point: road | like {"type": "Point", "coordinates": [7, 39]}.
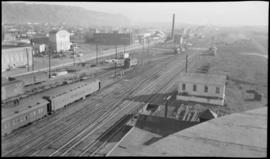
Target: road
{"type": "Point", "coordinates": [88, 57]}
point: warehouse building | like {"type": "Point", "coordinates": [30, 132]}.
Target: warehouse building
{"type": "Point", "coordinates": [39, 44]}
{"type": "Point", "coordinates": [59, 40]}
{"type": "Point", "coordinates": [16, 57]}
{"type": "Point", "coordinates": [202, 88]}
{"type": "Point", "coordinates": [114, 38]}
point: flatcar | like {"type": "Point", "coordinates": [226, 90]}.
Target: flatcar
{"type": "Point", "coordinates": [33, 78]}
{"type": "Point", "coordinates": [11, 89]}
{"type": "Point", "coordinates": [62, 97]}
{"type": "Point", "coordinates": [27, 112]}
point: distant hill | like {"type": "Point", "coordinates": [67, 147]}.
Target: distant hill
{"type": "Point", "coordinates": [56, 14]}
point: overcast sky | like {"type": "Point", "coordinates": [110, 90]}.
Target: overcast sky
{"type": "Point", "coordinates": [215, 13]}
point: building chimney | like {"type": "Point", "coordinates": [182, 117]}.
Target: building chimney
{"type": "Point", "coordinates": [172, 36]}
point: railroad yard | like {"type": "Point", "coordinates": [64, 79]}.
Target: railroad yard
{"type": "Point", "coordinates": [119, 91]}
{"type": "Point", "coordinates": [86, 103]}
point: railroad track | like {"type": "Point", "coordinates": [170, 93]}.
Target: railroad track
{"type": "Point", "coordinates": [75, 144]}
{"type": "Point", "coordinates": [94, 148]}
{"type": "Point", "coordinates": [118, 101]}
{"type": "Point", "coordinates": [106, 118]}
{"type": "Point", "coordinates": [47, 130]}
{"type": "Point", "coordinates": [58, 82]}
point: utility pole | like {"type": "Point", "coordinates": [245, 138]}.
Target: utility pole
{"type": "Point", "coordinates": [49, 51]}
{"type": "Point", "coordinates": [73, 49]}
{"type": "Point", "coordinates": [96, 54]}
{"type": "Point", "coordinates": [172, 32]}
{"type": "Point", "coordinates": [27, 56]}
{"type": "Point", "coordinates": [32, 56]}
{"type": "Point", "coordinates": [115, 60]}
{"type": "Point", "coordinates": [166, 105]}
{"type": "Point", "coordinates": [186, 62]}
{"type": "Point", "coordinates": [143, 45]}
{"type": "Point", "coordinates": [148, 45]}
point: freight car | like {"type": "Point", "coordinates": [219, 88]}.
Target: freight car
{"type": "Point", "coordinates": [34, 78]}
{"type": "Point", "coordinates": [11, 89]}
{"type": "Point", "coordinates": [31, 109]}
{"type": "Point", "coordinates": [63, 96]}
{"type": "Point", "coordinates": [27, 112]}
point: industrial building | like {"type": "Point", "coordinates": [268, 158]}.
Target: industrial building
{"type": "Point", "coordinates": [202, 88]}
{"type": "Point", "coordinates": [241, 134]}
{"type": "Point", "coordinates": [113, 38]}
{"type": "Point", "coordinates": [39, 44]}
{"type": "Point", "coordinates": [16, 57]}
{"type": "Point", "coordinates": [9, 36]}
{"type": "Point", "coordinates": [59, 40]}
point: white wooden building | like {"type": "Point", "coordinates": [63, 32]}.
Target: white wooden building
{"type": "Point", "coordinates": [59, 40]}
{"type": "Point", "coordinates": [203, 88]}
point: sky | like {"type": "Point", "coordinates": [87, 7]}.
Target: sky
{"type": "Point", "coordinates": [202, 13]}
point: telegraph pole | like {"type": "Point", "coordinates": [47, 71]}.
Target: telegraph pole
{"type": "Point", "coordinates": [143, 45]}
{"type": "Point", "coordinates": [73, 49]}
{"type": "Point", "coordinates": [166, 105]}
{"type": "Point", "coordinates": [27, 56]}
{"type": "Point", "coordinates": [32, 56]}
{"type": "Point", "coordinates": [148, 45]}
{"type": "Point", "coordinates": [186, 62]}
{"type": "Point", "coordinates": [115, 60]}
{"type": "Point", "coordinates": [49, 51]}
{"type": "Point", "coordinates": [96, 54]}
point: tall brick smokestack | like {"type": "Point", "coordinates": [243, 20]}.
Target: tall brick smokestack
{"type": "Point", "coordinates": [172, 36]}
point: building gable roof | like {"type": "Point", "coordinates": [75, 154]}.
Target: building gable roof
{"type": "Point", "coordinates": [202, 78]}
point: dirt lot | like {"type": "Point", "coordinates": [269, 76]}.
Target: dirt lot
{"type": "Point", "coordinates": [238, 57]}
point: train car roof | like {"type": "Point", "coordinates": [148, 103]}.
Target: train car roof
{"type": "Point", "coordinates": [63, 89]}
{"type": "Point", "coordinates": [8, 82]}
{"type": "Point", "coordinates": [30, 74]}
{"type": "Point", "coordinates": [25, 105]}
{"type": "Point", "coordinates": [32, 100]}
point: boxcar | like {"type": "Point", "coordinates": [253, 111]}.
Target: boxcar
{"type": "Point", "coordinates": [11, 88]}
{"type": "Point", "coordinates": [69, 94]}
{"type": "Point", "coordinates": [33, 78]}
{"type": "Point", "coordinates": [23, 114]}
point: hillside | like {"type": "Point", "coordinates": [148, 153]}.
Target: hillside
{"type": "Point", "coordinates": [56, 14]}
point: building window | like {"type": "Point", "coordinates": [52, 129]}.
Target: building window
{"type": "Point", "coordinates": [217, 90]}
{"type": "Point", "coordinates": [205, 89]}
{"type": "Point", "coordinates": [183, 87]}
{"type": "Point", "coordinates": [40, 110]}
{"type": "Point", "coordinates": [194, 87]}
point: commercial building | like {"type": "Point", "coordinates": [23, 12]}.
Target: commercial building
{"type": "Point", "coordinates": [202, 88]}
{"type": "Point", "coordinates": [16, 57]}
{"type": "Point", "coordinates": [59, 40]}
